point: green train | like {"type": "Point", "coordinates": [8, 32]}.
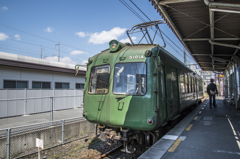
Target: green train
{"type": "Point", "coordinates": [132, 91]}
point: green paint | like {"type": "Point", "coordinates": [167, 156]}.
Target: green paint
{"type": "Point", "coordinates": [132, 111]}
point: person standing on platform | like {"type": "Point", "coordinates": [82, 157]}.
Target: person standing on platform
{"type": "Point", "coordinates": [212, 91]}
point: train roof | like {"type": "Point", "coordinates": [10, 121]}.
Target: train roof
{"type": "Point", "coordinates": [143, 47]}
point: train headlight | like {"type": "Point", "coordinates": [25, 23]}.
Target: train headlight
{"type": "Point", "coordinates": [90, 60]}
{"type": "Point", "coordinates": [114, 45]}
{"type": "Point", "coordinates": [148, 53]}
{"type": "Point", "coordinates": [150, 121]}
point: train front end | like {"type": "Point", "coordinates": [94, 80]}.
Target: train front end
{"type": "Point", "coordinates": [119, 91]}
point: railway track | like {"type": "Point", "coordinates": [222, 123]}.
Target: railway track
{"type": "Point", "coordinates": [110, 152]}
{"type": "Point", "coordinates": [117, 152]}
{"type": "Point", "coordinates": [92, 147]}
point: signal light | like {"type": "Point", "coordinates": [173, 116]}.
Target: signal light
{"type": "Point", "coordinates": [84, 114]}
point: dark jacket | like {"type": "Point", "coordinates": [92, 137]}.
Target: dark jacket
{"type": "Point", "coordinates": [212, 87]}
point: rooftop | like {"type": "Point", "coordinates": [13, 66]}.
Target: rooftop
{"type": "Point", "coordinates": [14, 60]}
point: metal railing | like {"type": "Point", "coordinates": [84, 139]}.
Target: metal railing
{"type": "Point", "coordinates": [20, 141]}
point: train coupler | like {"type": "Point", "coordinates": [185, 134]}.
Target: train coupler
{"type": "Point", "coordinates": [107, 134]}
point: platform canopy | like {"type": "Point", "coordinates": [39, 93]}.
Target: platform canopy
{"type": "Point", "coordinates": [209, 30]}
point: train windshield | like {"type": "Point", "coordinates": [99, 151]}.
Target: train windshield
{"type": "Point", "coordinates": [130, 78]}
{"type": "Point", "coordinates": [99, 79]}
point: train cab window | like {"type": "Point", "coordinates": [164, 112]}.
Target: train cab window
{"type": "Point", "coordinates": [99, 79]}
{"type": "Point", "coordinates": [130, 78]}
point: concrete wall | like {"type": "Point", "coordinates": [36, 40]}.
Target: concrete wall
{"type": "Point", "coordinates": [22, 74]}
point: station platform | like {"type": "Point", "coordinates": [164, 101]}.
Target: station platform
{"type": "Point", "coordinates": [203, 134]}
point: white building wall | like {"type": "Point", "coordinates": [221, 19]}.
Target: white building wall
{"type": "Point", "coordinates": [14, 102]}
{"type": "Point", "coordinates": [30, 75]}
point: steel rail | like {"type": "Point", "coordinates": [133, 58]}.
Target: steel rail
{"type": "Point", "coordinates": [107, 153]}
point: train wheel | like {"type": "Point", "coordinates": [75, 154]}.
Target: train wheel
{"type": "Point", "coordinates": [148, 141]}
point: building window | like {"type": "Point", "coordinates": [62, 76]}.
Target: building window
{"type": "Point", "coordinates": [41, 85]}
{"type": "Point", "coordinates": [15, 84]}
{"type": "Point", "coordinates": [59, 85]}
{"type": "Point", "coordinates": [79, 85]}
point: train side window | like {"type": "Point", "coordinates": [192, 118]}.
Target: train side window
{"type": "Point", "coordinates": [186, 83]}
{"type": "Point", "coordinates": [174, 81]}
{"type": "Point", "coordinates": [197, 84]}
{"type": "Point", "coordinates": [200, 86]}
{"type": "Point", "coordinates": [193, 84]}
{"type": "Point", "coordinates": [182, 83]}
{"type": "Point", "coordinates": [163, 81]}
{"type": "Point", "coordinates": [190, 84]}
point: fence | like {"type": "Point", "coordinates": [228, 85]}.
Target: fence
{"type": "Point", "coordinates": [27, 106]}
{"type": "Point", "coordinates": [25, 102]}
{"type": "Point", "coordinates": [19, 141]}
{"type": "Point", "coordinates": [16, 112]}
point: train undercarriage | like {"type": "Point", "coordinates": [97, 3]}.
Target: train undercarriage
{"type": "Point", "coordinates": [132, 138]}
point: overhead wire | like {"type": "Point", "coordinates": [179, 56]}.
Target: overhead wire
{"type": "Point", "coordinates": [17, 47]}
{"type": "Point", "coordinates": [35, 45]}
{"type": "Point", "coordinates": [131, 9]}
{"type": "Point", "coordinates": [38, 36]}
{"type": "Point", "coordinates": [159, 29]}
{"type": "Point", "coordinates": [48, 51]}
{"type": "Point", "coordinates": [42, 37]}
{"type": "Point", "coordinates": [155, 30]}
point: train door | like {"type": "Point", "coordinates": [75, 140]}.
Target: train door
{"type": "Point", "coordinates": [163, 95]}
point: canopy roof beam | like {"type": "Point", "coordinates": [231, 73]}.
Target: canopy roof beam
{"type": "Point", "coordinates": [215, 39]}
{"type": "Point", "coordinates": [210, 55]}
{"type": "Point", "coordinates": [223, 44]}
{"type": "Point", "coordinates": [222, 5]}
{"type": "Point", "coordinates": [174, 28]}
{"type": "Point", "coordinates": [164, 2]}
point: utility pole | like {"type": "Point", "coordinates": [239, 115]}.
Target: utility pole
{"type": "Point", "coordinates": [41, 51]}
{"type": "Point", "coordinates": [185, 58]}
{"type": "Point", "coordinates": [58, 51]}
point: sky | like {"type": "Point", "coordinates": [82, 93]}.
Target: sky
{"type": "Point", "coordinates": [82, 28]}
